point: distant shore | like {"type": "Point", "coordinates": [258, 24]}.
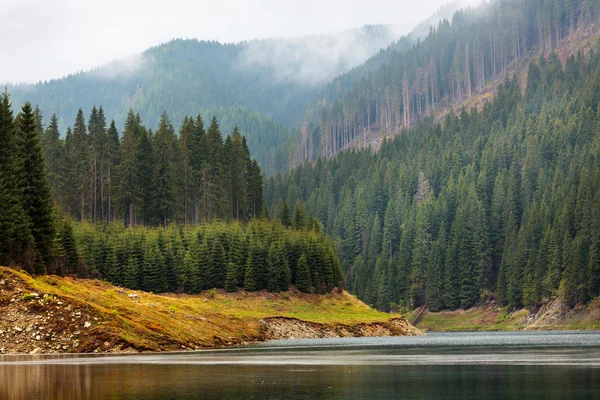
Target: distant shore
{"type": "Point", "coordinates": [552, 315]}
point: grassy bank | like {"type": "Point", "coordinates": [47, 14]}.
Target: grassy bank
{"type": "Point", "coordinates": [145, 321]}
{"type": "Point", "coordinates": [554, 315]}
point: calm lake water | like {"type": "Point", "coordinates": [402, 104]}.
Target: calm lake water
{"type": "Point", "coordinates": [523, 365]}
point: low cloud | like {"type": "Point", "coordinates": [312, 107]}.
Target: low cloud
{"type": "Point", "coordinates": [317, 59]}
{"type": "Point", "coordinates": [125, 67]}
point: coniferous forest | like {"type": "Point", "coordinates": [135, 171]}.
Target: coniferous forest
{"type": "Point", "coordinates": [459, 58]}
{"type": "Point", "coordinates": [483, 184]}
{"type": "Point", "coordinates": [147, 204]}
{"type": "Point", "coordinates": [502, 201]}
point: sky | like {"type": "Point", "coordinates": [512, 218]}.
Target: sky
{"type": "Point", "coordinates": [47, 39]}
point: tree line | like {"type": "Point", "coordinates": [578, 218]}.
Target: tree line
{"type": "Point", "coordinates": [261, 255]}
{"type": "Point", "coordinates": [499, 203]}
{"type": "Point", "coordinates": [150, 178]}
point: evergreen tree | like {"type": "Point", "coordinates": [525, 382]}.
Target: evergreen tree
{"type": "Point", "coordinates": [164, 173]}
{"type": "Point", "coordinates": [284, 215]}
{"type": "Point", "coordinates": [303, 282]}
{"type": "Point", "coordinates": [36, 196]}
{"type": "Point", "coordinates": [298, 222]}
{"type": "Point", "coordinates": [15, 235]}
{"type": "Point", "coordinates": [231, 279]}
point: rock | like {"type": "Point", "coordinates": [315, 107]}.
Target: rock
{"type": "Point", "coordinates": [87, 324]}
{"type": "Point", "coordinates": [37, 350]}
{"type": "Point", "coordinates": [18, 329]}
{"type": "Point", "coordinates": [37, 337]}
{"type": "Point", "coordinates": [133, 296]}
{"type": "Point", "coordinates": [106, 344]}
{"type": "Point", "coordinates": [59, 303]}
{"type": "Point", "coordinates": [36, 295]}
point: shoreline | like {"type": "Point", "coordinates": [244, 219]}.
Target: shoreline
{"type": "Point", "coordinates": [553, 315]}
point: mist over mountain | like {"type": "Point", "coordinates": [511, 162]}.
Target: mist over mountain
{"type": "Point", "coordinates": [262, 86]}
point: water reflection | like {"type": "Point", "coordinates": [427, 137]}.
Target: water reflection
{"type": "Point", "coordinates": [258, 382]}
{"type": "Point", "coordinates": [355, 370]}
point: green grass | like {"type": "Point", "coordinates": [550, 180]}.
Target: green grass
{"type": "Point", "coordinates": [500, 319]}
{"type": "Point", "coordinates": [475, 319]}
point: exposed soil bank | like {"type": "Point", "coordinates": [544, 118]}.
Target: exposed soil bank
{"type": "Point", "coordinates": [49, 315]}
{"type": "Point", "coordinates": [278, 328]}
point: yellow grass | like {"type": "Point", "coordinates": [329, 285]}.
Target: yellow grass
{"type": "Point", "coordinates": [168, 321]}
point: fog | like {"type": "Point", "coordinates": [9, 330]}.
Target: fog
{"type": "Point", "coordinates": [47, 39]}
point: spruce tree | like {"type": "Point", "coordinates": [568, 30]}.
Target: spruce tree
{"type": "Point", "coordinates": [36, 195]}
{"type": "Point", "coordinates": [15, 235]}
{"type": "Point", "coordinates": [284, 215]}
{"type": "Point", "coordinates": [127, 175]}
{"type": "Point", "coordinates": [275, 269]}
{"type": "Point", "coordinates": [303, 281]}
{"type": "Point", "coordinates": [164, 171]}
{"type": "Point", "coordinates": [298, 222]}
{"type": "Point", "coordinates": [231, 279]}
{"type": "Point", "coordinates": [251, 283]}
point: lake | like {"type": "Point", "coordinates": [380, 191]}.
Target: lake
{"type": "Point", "coordinates": [519, 365]}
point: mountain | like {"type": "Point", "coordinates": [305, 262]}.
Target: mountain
{"type": "Point", "coordinates": [263, 86]}
{"type": "Point", "coordinates": [497, 202]}
{"type": "Point", "coordinates": [460, 63]}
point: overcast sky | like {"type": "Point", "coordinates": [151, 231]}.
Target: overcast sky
{"type": "Point", "coordinates": [45, 39]}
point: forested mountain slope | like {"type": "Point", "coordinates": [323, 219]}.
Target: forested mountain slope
{"type": "Point", "coordinates": [459, 64]}
{"type": "Point", "coordinates": [501, 202]}
{"type": "Point", "coordinates": [259, 86]}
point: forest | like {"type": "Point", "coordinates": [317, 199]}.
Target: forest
{"type": "Point", "coordinates": [152, 208]}
{"type": "Point", "coordinates": [149, 178]}
{"type": "Point", "coordinates": [260, 255]}
{"type": "Point", "coordinates": [498, 203]}
{"type": "Point", "coordinates": [456, 61]}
